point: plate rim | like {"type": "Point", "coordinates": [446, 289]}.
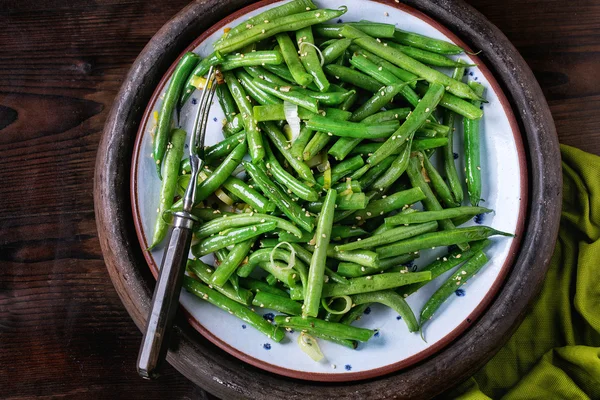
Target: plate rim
{"type": "Point", "coordinates": [213, 369]}
{"type": "Point", "coordinates": [430, 351]}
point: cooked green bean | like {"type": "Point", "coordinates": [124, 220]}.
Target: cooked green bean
{"type": "Point", "coordinates": [352, 129]}
{"type": "Point", "coordinates": [262, 73]}
{"type": "Point", "coordinates": [327, 328]}
{"type": "Point", "coordinates": [424, 56]}
{"type": "Point", "coordinates": [234, 126]}
{"type": "Point", "coordinates": [201, 69]}
{"type": "Point", "coordinates": [295, 186]}
{"type": "Point", "coordinates": [374, 29]}
{"type": "Point", "coordinates": [436, 239]}
{"type": "Point", "coordinates": [222, 223]}
{"type": "Point", "coordinates": [426, 43]}
{"type": "Point", "coordinates": [331, 98]}
{"type": "Point", "coordinates": [264, 30]}
{"type": "Point", "coordinates": [390, 203]}
{"type": "Point", "coordinates": [165, 115]}
{"type": "Point", "coordinates": [317, 264]}
{"type": "Point", "coordinates": [221, 149]}
{"type": "Point", "coordinates": [395, 114]}
{"type": "Point", "coordinates": [363, 257]}
{"type": "Point", "coordinates": [250, 196]}
{"type": "Point", "coordinates": [342, 169]}
{"type": "Point", "coordinates": [226, 102]}
{"type": "Point", "coordinates": [393, 173]}
{"type": "Point", "coordinates": [335, 50]}
{"type": "Point", "coordinates": [472, 151]}
{"type": "Point", "coordinates": [231, 236]}
{"type": "Point", "coordinates": [375, 103]}
{"type": "Point", "coordinates": [353, 77]}
{"type": "Point", "coordinates": [413, 121]}
{"type": "Point", "coordinates": [375, 172]}
{"type": "Point", "coordinates": [277, 303]}
{"type": "Point", "coordinates": [300, 142]}
{"type": "Point", "coordinates": [233, 61]}
{"type": "Point", "coordinates": [353, 201]}
{"type": "Point", "coordinates": [439, 185]}
{"type": "Point", "coordinates": [257, 94]}
{"type": "Point", "coordinates": [426, 216]}
{"type": "Point", "coordinates": [320, 139]}
{"type": "Point", "coordinates": [245, 314]}
{"type": "Point", "coordinates": [257, 286]}
{"type": "Point", "coordinates": [455, 103]}
{"type": "Point", "coordinates": [280, 198]}
{"type": "Point", "coordinates": [458, 278]}
{"type": "Point", "coordinates": [404, 75]}
{"type": "Point", "coordinates": [309, 58]}
{"type": "Point", "coordinates": [253, 136]}
{"type": "Point", "coordinates": [339, 232]}
{"type": "Point", "coordinates": [352, 270]}
{"type": "Point", "coordinates": [371, 283]}
{"type": "Point", "coordinates": [285, 93]}
{"type": "Point", "coordinates": [292, 60]}
{"type": "Point", "coordinates": [274, 112]}
{"type": "Point", "coordinates": [205, 273]}
{"type": "Point", "coordinates": [169, 184]}
{"type": "Point", "coordinates": [390, 236]}
{"type": "Point", "coordinates": [394, 301]}
{"type": "Point", "coordinates": [231, 262]}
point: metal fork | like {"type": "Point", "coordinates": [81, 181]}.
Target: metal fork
{"type": "Point", "coordinates": [165, 300]}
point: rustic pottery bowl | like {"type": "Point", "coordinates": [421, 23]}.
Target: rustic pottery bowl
{"type": "Point", "coordinates": [498, 298]}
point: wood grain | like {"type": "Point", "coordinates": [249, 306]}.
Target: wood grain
{"type": "Point", "coordinates": [63, 330]}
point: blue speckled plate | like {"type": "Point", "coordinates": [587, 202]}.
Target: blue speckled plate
{"type": "Point", "coordinates": [505, 190]}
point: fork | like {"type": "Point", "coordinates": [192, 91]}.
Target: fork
{"type": "Point", "coordinates": [165, 300]}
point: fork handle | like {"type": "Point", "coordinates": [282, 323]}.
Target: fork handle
{"type": "Point", "coordinates": [166, 297]}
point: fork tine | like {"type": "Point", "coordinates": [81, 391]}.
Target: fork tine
{"type": "Point", "coordinates": [211, 93]}
{"type": "Point", "coordinates": [201, 112]}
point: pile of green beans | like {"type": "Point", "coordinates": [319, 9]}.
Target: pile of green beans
{"type": "Point", "coordinates": [328, 141]}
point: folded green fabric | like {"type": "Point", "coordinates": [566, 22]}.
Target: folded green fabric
{"type": "Point", "coordinates": [555, 353]}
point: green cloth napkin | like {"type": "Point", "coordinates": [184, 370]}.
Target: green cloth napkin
{"type": "Point", "coordinates": [555, 353]}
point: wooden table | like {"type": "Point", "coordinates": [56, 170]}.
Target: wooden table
{"type": "Point", "coordinates": [63, 330]}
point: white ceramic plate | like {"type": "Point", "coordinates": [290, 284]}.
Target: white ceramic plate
{"type": "Point", "coordinates": [504, 190]}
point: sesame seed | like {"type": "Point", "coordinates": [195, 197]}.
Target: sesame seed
{"type": "Point", "coordinates": [457, 283]}
{"type": "Point", "coordinates": [307, 8]}
{"type": "Point", "coordinates": [444, 259]}
{"type": "Point", "coordinates": [369, 277]}
{"type": "Point", "coordinates": [333, 366]}
{"type": "Point", "coordinates": [368, 214]}
{"type": "Point", "coordinates": [263, 31]}
{"type": "Point", "coordinates": [324, 235]}
{"type": "Point", "coordinates": [362, 269]}
{"type": "Point", "coordinates": [380, 68]}
{"type": "Point", "coordinates": [386, 14]}
{"type": "Point", "coordinates": [379, 40]}
{"type": "Point", "coordinates": [317, 15]}
{"type": "Point", "coordinates": [478, 168]}
{"type": "Point", "coordinates": [266, 21]}
{"type": "Point", "coordinates": [427, 109]}
{"type": "Point", "coordinates": [382, 93]}
{"type": "Point", "coordinates": [458, 255]}
{"type": "Point", "coordinates": [358, 218]}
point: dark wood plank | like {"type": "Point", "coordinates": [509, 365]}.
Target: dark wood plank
{"type": "Point", "coordinates": [63, 330]}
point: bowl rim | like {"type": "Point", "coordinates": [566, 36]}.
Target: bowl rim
{"type": "Point", "coordinates": [222, 374]}
{"type": "Point", "coordinates": [392, 367]}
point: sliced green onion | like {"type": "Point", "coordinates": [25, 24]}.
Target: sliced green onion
{"type": "Point", "coordinates": [309, 345]}
{"type": "Point", "coordinates": [290, 111]}
{"type": "Point", "coordinates": [224, 197]}
{"type": "Point", "coordinates": [330, 310]}
{"type": "Point", "coordinates": [292, 260]}
{"type": "Point", "coordinates": [321, 57]}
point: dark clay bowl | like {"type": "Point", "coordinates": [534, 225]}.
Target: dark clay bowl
{"type": "Point", "coordinates": [225, 376]}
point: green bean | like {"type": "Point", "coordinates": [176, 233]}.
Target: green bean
{"type": "Point", "coordinates": [458, 278]}
{"type": "Point", "coordinates": [353, 77]}
{"type": "Point", "coordinates": [352, 129]}
{"type": "Point", "coordinates": [349, 102]}
{"type": "Point", "coordinates": [395, 170]}
{"type": "Point", "coordinates": [231, 262]}
{"type": "Point", "coordinates": [371, 283]}
{"type": "Point", "coordinates": [411, 65]}
{"type": "Point", "coordinates": [289, 181]}
{"type": "Point", "coordinates": [363, 257]}
{"type": "Point", "coordinates": [165, 115]}
{"type": "Point", "coordinates": [328, 328]}
{"type": "Point", "coordinates": [317, 264]}
{"type": "Point", "coordinates": [205, 274]}
{"type": "Point", "coordinates": [426, 216]}
{"type": "Point", "coordinates": [277, 303]}
{"type": "Point", "coordinates": [446, 263]}
{"type": "Point", "coordinates": [335, 50]}
{"type": "Point", "coordinates": [240, 311]}
{"type": "Point", "coordinates": [394, 301]}
{"type": "Point", "coordinates": [280, 198]}
{"type": "Point", "coordinates": [301, 77]}
{"type": "Point", "coordinates": [286, 237]}
{"type": "Point", "coordinates": [430, 202]}
{"type": "Point", "coordinates": [260, 96]}
{"type": "Point", "coordinates": [354, 314]}
{"type": "Point", "coordinates": [271, 279]}
{"type": "Point", "coordinates": [281, 71]}
{"type": "Point", "coordinates": [274, 112]}
{"type": "Point", "coordinates": [169, 184]}
{"type": "Point", "coordinates": [388, 115]}
{"type": "Point", "coordinates": [226, 101]}
{"type": "Point", "coordinates": [439, 185]}
{"type": "Point", "coordinates": [448, 153]}
{"type": "Point", "coordinates": [370, 28]}
{"type": "Point", "coordinates": [473, 152]}
{"type": "Point", "coordinates": [262, 73]}
{"type": "Point", "coordinates": [425, 43]}
{"type": "Point", "coordinates": [456, 104]}
{"type": "Point", "coordinates": [339, 232]}
{"type": "Point", "coordinates": [352, 270]}
{"type": "Point", "coordinates": [375, 172]}
{"type": "Point", "coordinates": [231, 236]}
{"type": "Point", "coordinates": [223, 148]}
{"type": "Point", "coordinates": [320, 139]}
{"type": "Point", "coordinates": [225, 222]}
{"type": "Point", "coordinates": [300, 142]}
{"type": "Point", "coordinates": [282, 145]}
{"type": "Point", "coordinates": [293, 7]}
{"type": "Point", "coordinates": [426, 57]}
{"type": "Point", "coordinates": [404, 75]}
{"type": "Point", "coordinates": [234, 126]}
{"type": "Point", "coordinates": [383, 76]}
{"type": "Point", "coordinates": [201, 69]}
{"type": "Point", "coordinates": [234, 61]}
{"type": "Point", "coordinates": [221, 255]}
{"type": "Point", "coordinates": [253, 136]}
{"type": "Point", "coordinates": [390, 236]}
{"type": "Point", "coordinates": [326, 98]}
{"type": "Point", "coordinates": [389, 203]}
{"type": "Point", "coordinates": [221, 173]}
{"type": "Point", "coordinates": [419, 115]}
{"type": "Point", "coordinates": [375, 103]}
{"type": "Point", "coordinates": [351, 182]}
{"type": "Point", "coordinates": [264, 30]}
{"type": "Point", "coordinates": [353, 201]}
{"type": "Point", "coordinates": [309, 58]}
{"type": "Point", "coordinates": [436, 239]}
{"type": "Point", "coordinates": [285, 93]}
{"type": "Point", "coordinates": [250, 196]}
{"type": "Point", "coordinates": [257, 286]}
